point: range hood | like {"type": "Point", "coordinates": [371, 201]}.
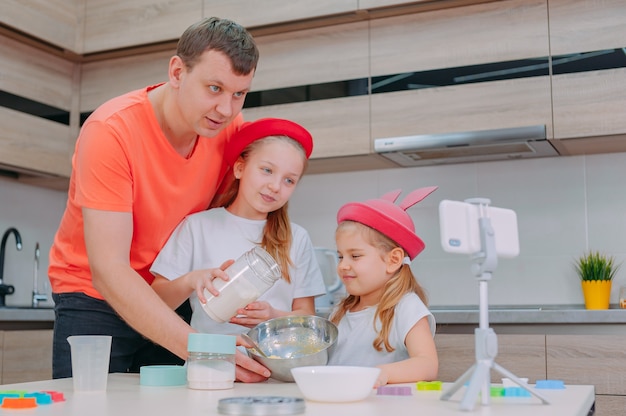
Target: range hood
{"type": "Point", "coordinates": [469, 146]}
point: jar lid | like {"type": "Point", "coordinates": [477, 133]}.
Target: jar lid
{"type": "Point", "coordinates": [162, 375]}
{"type": "Point", "coordinates": [216, 343]}
{"type": "Point", "coordinates": [261, 406]}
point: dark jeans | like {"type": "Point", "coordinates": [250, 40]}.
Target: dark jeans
{"type": "Point", "coordinates": [79, 314]}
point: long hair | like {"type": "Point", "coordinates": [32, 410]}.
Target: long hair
{"type": "Point", "coordinates": [277, 237]}
{"type": "Point", "coordinates": [400, 284]}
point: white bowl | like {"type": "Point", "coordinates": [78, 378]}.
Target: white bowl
{"type": "Point", "coordinates": [335, 383]}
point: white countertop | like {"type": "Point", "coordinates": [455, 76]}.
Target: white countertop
{"type": "Point", "coordinates": [126, 397]}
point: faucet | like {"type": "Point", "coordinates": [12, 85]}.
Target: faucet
{"type": "Point", "coordinates": [4, 288]}
{"type": "Point", "coordinates": [37, 296]}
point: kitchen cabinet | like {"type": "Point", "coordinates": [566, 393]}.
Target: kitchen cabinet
{"type": "Point", "coordinates": [577, 353]}
{"type": "Point", "coordinates": [484, 34]}
{"type": "Point", "coordinates": [588, 103]}
{"type": "Point", "coordinates": [56, 21]}
{"type": "Point", "coordinates": [30, 141]}
{"type": "Point", "coordinates": [103, 80]}
{"type": "Point", "coordinates": [523, 355]}
{"type": "Point", "coordinates": [326, 45]}
{"type": "Point", "coordinates": [252, 13]}
{"type": "Point", "coordinates": [321, 56]}
{"type": "Point", "coordinates": [26, 355]}
{"type": "Point", "coordinates": [584, 359]}
{"type": "Point", "coordinates": [110, 25]}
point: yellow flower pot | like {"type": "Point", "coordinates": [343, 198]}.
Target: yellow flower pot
{"type": "Point", "coordinates": [597, 293]}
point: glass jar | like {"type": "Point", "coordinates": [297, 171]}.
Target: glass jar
{"type": "Point", "coordinates": [211, 361]}
{"type": "Point", "coordinates": [251, 275]}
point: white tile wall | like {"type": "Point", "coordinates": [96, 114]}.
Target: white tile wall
{"type": "Point", "coordinates": [565, 206]}
{"type": "Point", "coordinates": [36, 213]}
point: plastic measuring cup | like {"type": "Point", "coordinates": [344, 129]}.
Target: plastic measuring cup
{"type": "Point", "coordinates": [90, 361]}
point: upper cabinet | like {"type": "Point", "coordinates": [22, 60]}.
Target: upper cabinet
{"type": "Point", "coordinates": [115, 24]}
{"type": "Point", "coordinates": [350, 71]}
{"type": "Point", "coordinates": [461, 69]}
{"type": "Point", "coordinates": [317, 77]}
{"type": "Point", "coordinates": [103, 80]}
{"type": "Point", "coordinates": [587, 38]}
{"type": "Point", "coordinates": [57, 22]}
{"type": "Point", "coordinates": [36, 133]}
{"type": "Point", "coordinates": [254, 13]}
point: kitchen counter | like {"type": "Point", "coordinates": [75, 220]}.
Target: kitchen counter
{"type": "Point", "coordinates": [532, 319]}
{"type": "Point", "coordinates": [23, 317]}
{"type": "Point", "coordinates": [125, 396]}
{"type": "Point", "coordinates": [529, 314]}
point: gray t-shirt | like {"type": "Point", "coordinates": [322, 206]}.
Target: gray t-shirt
{"type": "Point", "coordinates": [356, 334]}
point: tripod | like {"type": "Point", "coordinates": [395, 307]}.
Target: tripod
{"type": "Point", "coordinates": [486, 341]}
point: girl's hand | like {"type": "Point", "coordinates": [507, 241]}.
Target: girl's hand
{"type": "Point", "coordinates": [253, 314]}
{"type": "Point", "coordinates": [383, 378]}
{"type": "Point", "coordinates": [203, 279]}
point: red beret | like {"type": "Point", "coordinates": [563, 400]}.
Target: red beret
{"type": "Point", "coordinates": [259, 129]}
{"type": "Point", "coordinates": [388, 218]}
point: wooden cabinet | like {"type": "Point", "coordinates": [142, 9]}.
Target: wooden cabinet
{"type": "Point", "coordinates": [103, 80]}
{"type": "Point", "coordinates": [599, 360]}
{"type": "Point", "coordinates": [588, 103]}
{"type": "Point", "coordinates": [118, 24]}
{"type": "Point", "coordinates": [306, 44]}
{"type": "Point", "coordinates": [511, 30]}
{"type": "Point", "coordinates": [523, 355]}
{"type": "Point", "coordinates": [590, 359]}
{"type": "Point", "coordinates": [586, 25]}
{"type": "Point", "coordinates": [585, 359]}
{"type": "Point", "coordinates": [253, 13]}
{"type": "Point", "coordinates": [26, 356]}
{"type": "Point", "coordinates": [55, 21]}
{"type": "Point", "coordinates": [340, 126]}
{"type": "Point", "coordinates": [28, 141]}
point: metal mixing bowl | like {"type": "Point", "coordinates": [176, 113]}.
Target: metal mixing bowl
{"type": "Point", "coordinates": [293, 341]}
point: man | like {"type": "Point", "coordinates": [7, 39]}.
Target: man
{"type": "Point", "coordinates": [142, 162]}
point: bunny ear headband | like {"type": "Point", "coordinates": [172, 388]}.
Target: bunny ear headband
{"type": "Point", "coordinates": [390, 219]}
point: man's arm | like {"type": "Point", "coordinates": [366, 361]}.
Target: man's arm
{"type": "Point", "coordinates": [108, 237]}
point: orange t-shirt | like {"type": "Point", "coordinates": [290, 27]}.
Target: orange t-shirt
{"type": "Point", "coordinates": [123, 162]}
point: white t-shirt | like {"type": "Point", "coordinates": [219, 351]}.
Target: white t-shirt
{"type": "Point", "coordinates": [356, 334]}
{"type": "Point", "coordinates": [207, 239]}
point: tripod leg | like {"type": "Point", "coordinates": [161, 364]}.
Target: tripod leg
{"type": "Point", "coordinates": [479, 379]}
{"type": "Point", "coordinates": [519, 382]}
{"type": "Point", "coordinates": [458, 383]}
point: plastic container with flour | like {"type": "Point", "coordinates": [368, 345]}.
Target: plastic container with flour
{"type": "Point", "coordinates": [211, 361]}
{"type": "Point", "coordinates": [250, 276]}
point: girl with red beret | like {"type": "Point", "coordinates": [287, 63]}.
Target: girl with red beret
{"type": "Point", "coordinates": [268, 158]}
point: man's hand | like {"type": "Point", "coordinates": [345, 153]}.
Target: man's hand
{"type": "Point", "coordinates": [249, 370]}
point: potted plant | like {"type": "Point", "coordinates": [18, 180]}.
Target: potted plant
{"type": "Point", "coordinates": [596, 272]}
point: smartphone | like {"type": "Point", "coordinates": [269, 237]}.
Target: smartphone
{"type": "Point", "coordinates": [460, 228]}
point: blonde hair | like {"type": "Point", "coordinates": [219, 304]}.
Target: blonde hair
{"type": "Point", "coordinates": [401, 283]}
{"type": "Point", "coordinates": [277, 236]}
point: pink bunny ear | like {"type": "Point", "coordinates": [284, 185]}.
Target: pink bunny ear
{"type": "Point", "coordinates": [392, 195]}
{"type": "Point", "coordinates": [416, 196]}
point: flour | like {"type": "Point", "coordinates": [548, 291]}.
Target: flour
{"type": "Point", "coordinates": [211, 375]}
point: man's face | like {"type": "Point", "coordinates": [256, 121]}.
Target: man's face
{"type": "Point", "coordinates": [210, 95]}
